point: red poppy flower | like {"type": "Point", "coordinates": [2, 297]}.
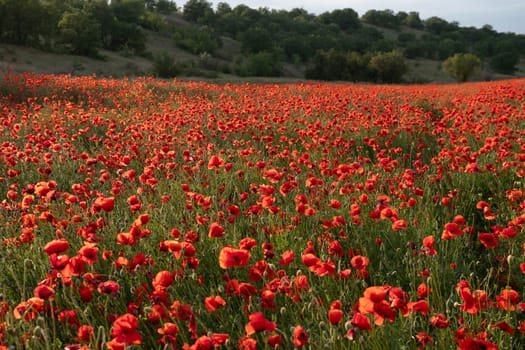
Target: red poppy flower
{"type": "Point", "coordinates": [89, 254]}
{"type": "Point", "coordinates": [507, 299]}
{"type": "Point", "coordinates": [335, 316]}
{"type": "Point", "coordinates": [213, 303]}
{"type": "Point", "coordinates": [85, 333]}
{"type": "Point", "coordinates": [420, 306]}
{"type": "Point", "coordinates": [57, 246]}
{"type": "Point", "coordinates": [361, 322]}
{"type": "Point", "coordinates": [504, 326]}
{"type": "Point", "coordinates": [162, 280]}
{"type": "Point", "coordinates": [259, 323]}
{"type": "Point", "coordinates": [423, 291]}
{"type": "Point", "coordinates": [428, 246]}
{"type": "Point", "coordinates": [231, 257]}
{"type": "Point", "coordinates": [102, 203]}
{"type": "Point", "coordinates": [274, 340]}
{"type": "Point", "coordinates": [452, 230]}
{"type": "Point", "coordinates": [424, 339]}
{"type": "Point", "coordinates": [473, 302]}
{"type": "Point", "coordinates": [108, 287]}
{"type": "Point", "coordinates": [399, 224]}
{"type": "Point", "coordinates": [216, 231]}
{"type": "Point", "coordinates": [359, 262]}
{"type": "Point", "coordinates": [113, 344]}
{"type": "Point", "coordinates": [489, 240]}
{"type": "Point", "coordinates": [439, 321]}
{"type": "Point", "coordinates": [373, 303]}
{"type": "Point", "coordinates": [124, 330]}
{"type": "Point", "coordinates": [300, 337]}
{"type": "Point", "coordinates": [44, 291]}
{"type": "Point", "coordinates": [474, 344]}
{"type": "Point", "coordinates": [287, 257]}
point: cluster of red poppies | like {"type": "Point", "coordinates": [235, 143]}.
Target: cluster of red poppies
{"type": "Point", "coordinates": [197, 216]}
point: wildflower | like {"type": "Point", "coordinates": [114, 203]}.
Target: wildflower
{"type": "Point", "coordinates": [85, 333]}
{"type": "Point", "coordinates": [274, 340]}
{"type": "Point", "coordinates": [230, 257]}
{"type": "Point", "coordinates": [300, 337]}
{"type": "Point", "coordinates": [373, 303]}
{"type": "Point", "coordinates": [259, 323]}
{"type": "Point", "coordinates": [474, 344]}
{"type": "Point", "coordinates": [287, 257]}
{"type": "Point", "coordinates": [439, 321]}
{"type": "Point", "coordinates": [216, 231]}
{"type": "Point", "coordinates": [57, 246]}
{"type": "Point", "coordinates": [424, 339]}
{"type": "Point", "coordinates": [213, 303]}
{"type": "Point", "coordinates": [124, 330]}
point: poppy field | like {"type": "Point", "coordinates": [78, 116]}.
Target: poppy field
{"type": "Point", "coordinates": [148, 214]}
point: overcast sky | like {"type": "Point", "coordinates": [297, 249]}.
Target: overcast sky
{"type": "Point", "coordinates": [502, 15]}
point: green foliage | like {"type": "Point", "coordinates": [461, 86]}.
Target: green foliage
{"type": "Point", "coordinates": [262, 64]}
{"type": "Point", "coordinates": [21, 21]}
{"type": "Point", "coordinates": [346, 19]}
{"type": "Point", "coordinates": [327, 65]}
{"type": "Point", "coordinates": [129, 11]}
{"type": "Point", "coordinates": [389, 66]}
{"type": "Point", "coordinates": [197, 10]}
{"type": "Point", "coordinates": [437, 25]}
{"type": "Point", "coordinates": [461, 66]}
{"type": "Point", "coordinates": [164, 65]}
{"type": "Point", "coordinates": [504, 62]}
{"type": "Point", "coordinates": [84, 27]}
{"type": "Point", "coordinates": [448, 47]}
{"type": "Point", "coordinates": [197, 40]}
{"type": "Point", "coordinates": [412, 20]}
{"type": "Point", "coordinates": [80, 33]}
{"type": "Point", "coordinates": [162, 6]}
{"type": "Point", "coordinates": [256, 39]}
{"type": "Point", "coordinates": [381, 18]}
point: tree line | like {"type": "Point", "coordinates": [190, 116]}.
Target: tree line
{"type": "Point", "coordinates": [334, 45]}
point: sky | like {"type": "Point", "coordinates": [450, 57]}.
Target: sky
{"type": "Point", "coordinates": [502, 15]}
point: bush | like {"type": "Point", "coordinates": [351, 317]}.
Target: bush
{"type": "Point", "coordinates": [389, 66]}
{"type": "Point", "coordinates": [197, 40]}
{"type": "Point", "coordinates": [164, 66]}
{"type": "Point", "coordinates": [461, 66]}
{"type": "Point", "coordinates": [263, 64]}
{"type": "Point", "coordinates": [504, 62]}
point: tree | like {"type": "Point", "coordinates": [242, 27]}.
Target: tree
{"type": "Point", "coordinates": [437, 25]}
{"type": "Point", "coordinates": [389, 66]}
{"type": "Point", "coordinates": [21, 21]}
{"type": "Point", "coordinates": [263, 64]}
{"type": "Point", "coordinates": [164, 65]}
{"type": "Point", "coordinates": [197, 10]}
{"type": "Point", "coordinates": [80, 32]}
{"type": "Point", "coordinates": [129, 11]}
{"type": "Point", "coordinates": [505, 62]}
{"type": "Point", "coordinates": [461, 66]}
{"type": "Point", "coordinates": [166, 6]}
{"type": "Point", "coordinates": [347, 19]}
{"type": "Point", "coordinates": [413, 20]}
{"type": "Point", "coordinates": [197, 40]}
{"type": "Point", "coordinates": [383, 18]}
{"type": "Point", "coordinates": [447, 47]}
{"type": "Point", "coordinates": [256, 39]}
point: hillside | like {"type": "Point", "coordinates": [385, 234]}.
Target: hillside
{"type": "Point", "coordinates": [242, 43]}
